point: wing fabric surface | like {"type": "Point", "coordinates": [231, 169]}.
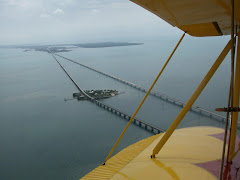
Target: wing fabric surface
{"type": "Point", "coordinates": [196, 17]}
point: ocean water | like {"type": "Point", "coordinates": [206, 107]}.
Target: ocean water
{"type": "Point", "coordinates": [44, 137]}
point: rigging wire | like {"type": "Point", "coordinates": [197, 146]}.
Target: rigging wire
{"type": "Point", "coordinates": [230, 98]}
{"type": "Point", "coordinates": [232, 70]}
{"type": "Point", "coordinates": [226, 130]}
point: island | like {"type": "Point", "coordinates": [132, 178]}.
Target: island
{"type": "Point", "coordinates": [69, 47]}
{"type": "Point", "coordinates": [96, 94]}
{"type": "Point", "coordinates": [106, 44]}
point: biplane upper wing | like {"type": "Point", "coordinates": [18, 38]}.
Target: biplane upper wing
{"type": "Point", "coordinates": [196, 17]}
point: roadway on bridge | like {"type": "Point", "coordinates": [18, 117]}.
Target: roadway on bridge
{"type": "Point", "coordinates": [165, 97]}
{"type": "Point", "coordinates": [141, 123]}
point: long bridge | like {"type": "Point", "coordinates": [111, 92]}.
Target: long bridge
{"type": "Point", "coordinates": [165, 97]}
{"type": "Point", "coordinates": [149, 127]}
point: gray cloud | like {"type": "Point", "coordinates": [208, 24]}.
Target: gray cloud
{"type": "Point", "coordinates": [58, 12]}
{"type": "Point", "coordinates": [44, 15]}
{"type": "Point", "coordinates": [54, 21]}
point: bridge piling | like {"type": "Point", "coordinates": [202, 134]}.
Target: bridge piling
{"type": "Point", "coordinates": [177, 102]}
{"type": "Point", "coordinates": [105, 106]}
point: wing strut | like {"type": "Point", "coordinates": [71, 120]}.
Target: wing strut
{"type": "Point", "coordinates": [132, 118]}
{"type": "Point", "coordinates": [192, 99]}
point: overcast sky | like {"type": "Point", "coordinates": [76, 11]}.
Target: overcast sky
{"type": "Point", "coordinates": [71, 21]}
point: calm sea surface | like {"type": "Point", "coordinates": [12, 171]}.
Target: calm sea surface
{"type": "Point", "coordinates": [44, 137]}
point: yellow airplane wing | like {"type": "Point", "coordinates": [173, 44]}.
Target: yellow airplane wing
{"type": "Point", "coordinates": [196, 17]}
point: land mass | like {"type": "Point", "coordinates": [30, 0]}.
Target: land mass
{"type": "Point", "coordinates": [96, 94]}
{"type": "Point", "coordinates": [68, 47]}
{"type": "Point", "coordinates": [106, 44]}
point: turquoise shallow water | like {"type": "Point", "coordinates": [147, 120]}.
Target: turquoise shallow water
{"type": "Point", "coordinates": [44, 137]}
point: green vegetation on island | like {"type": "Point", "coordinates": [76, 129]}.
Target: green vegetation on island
{"type": "Point", "coordinates": [96, 94]}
